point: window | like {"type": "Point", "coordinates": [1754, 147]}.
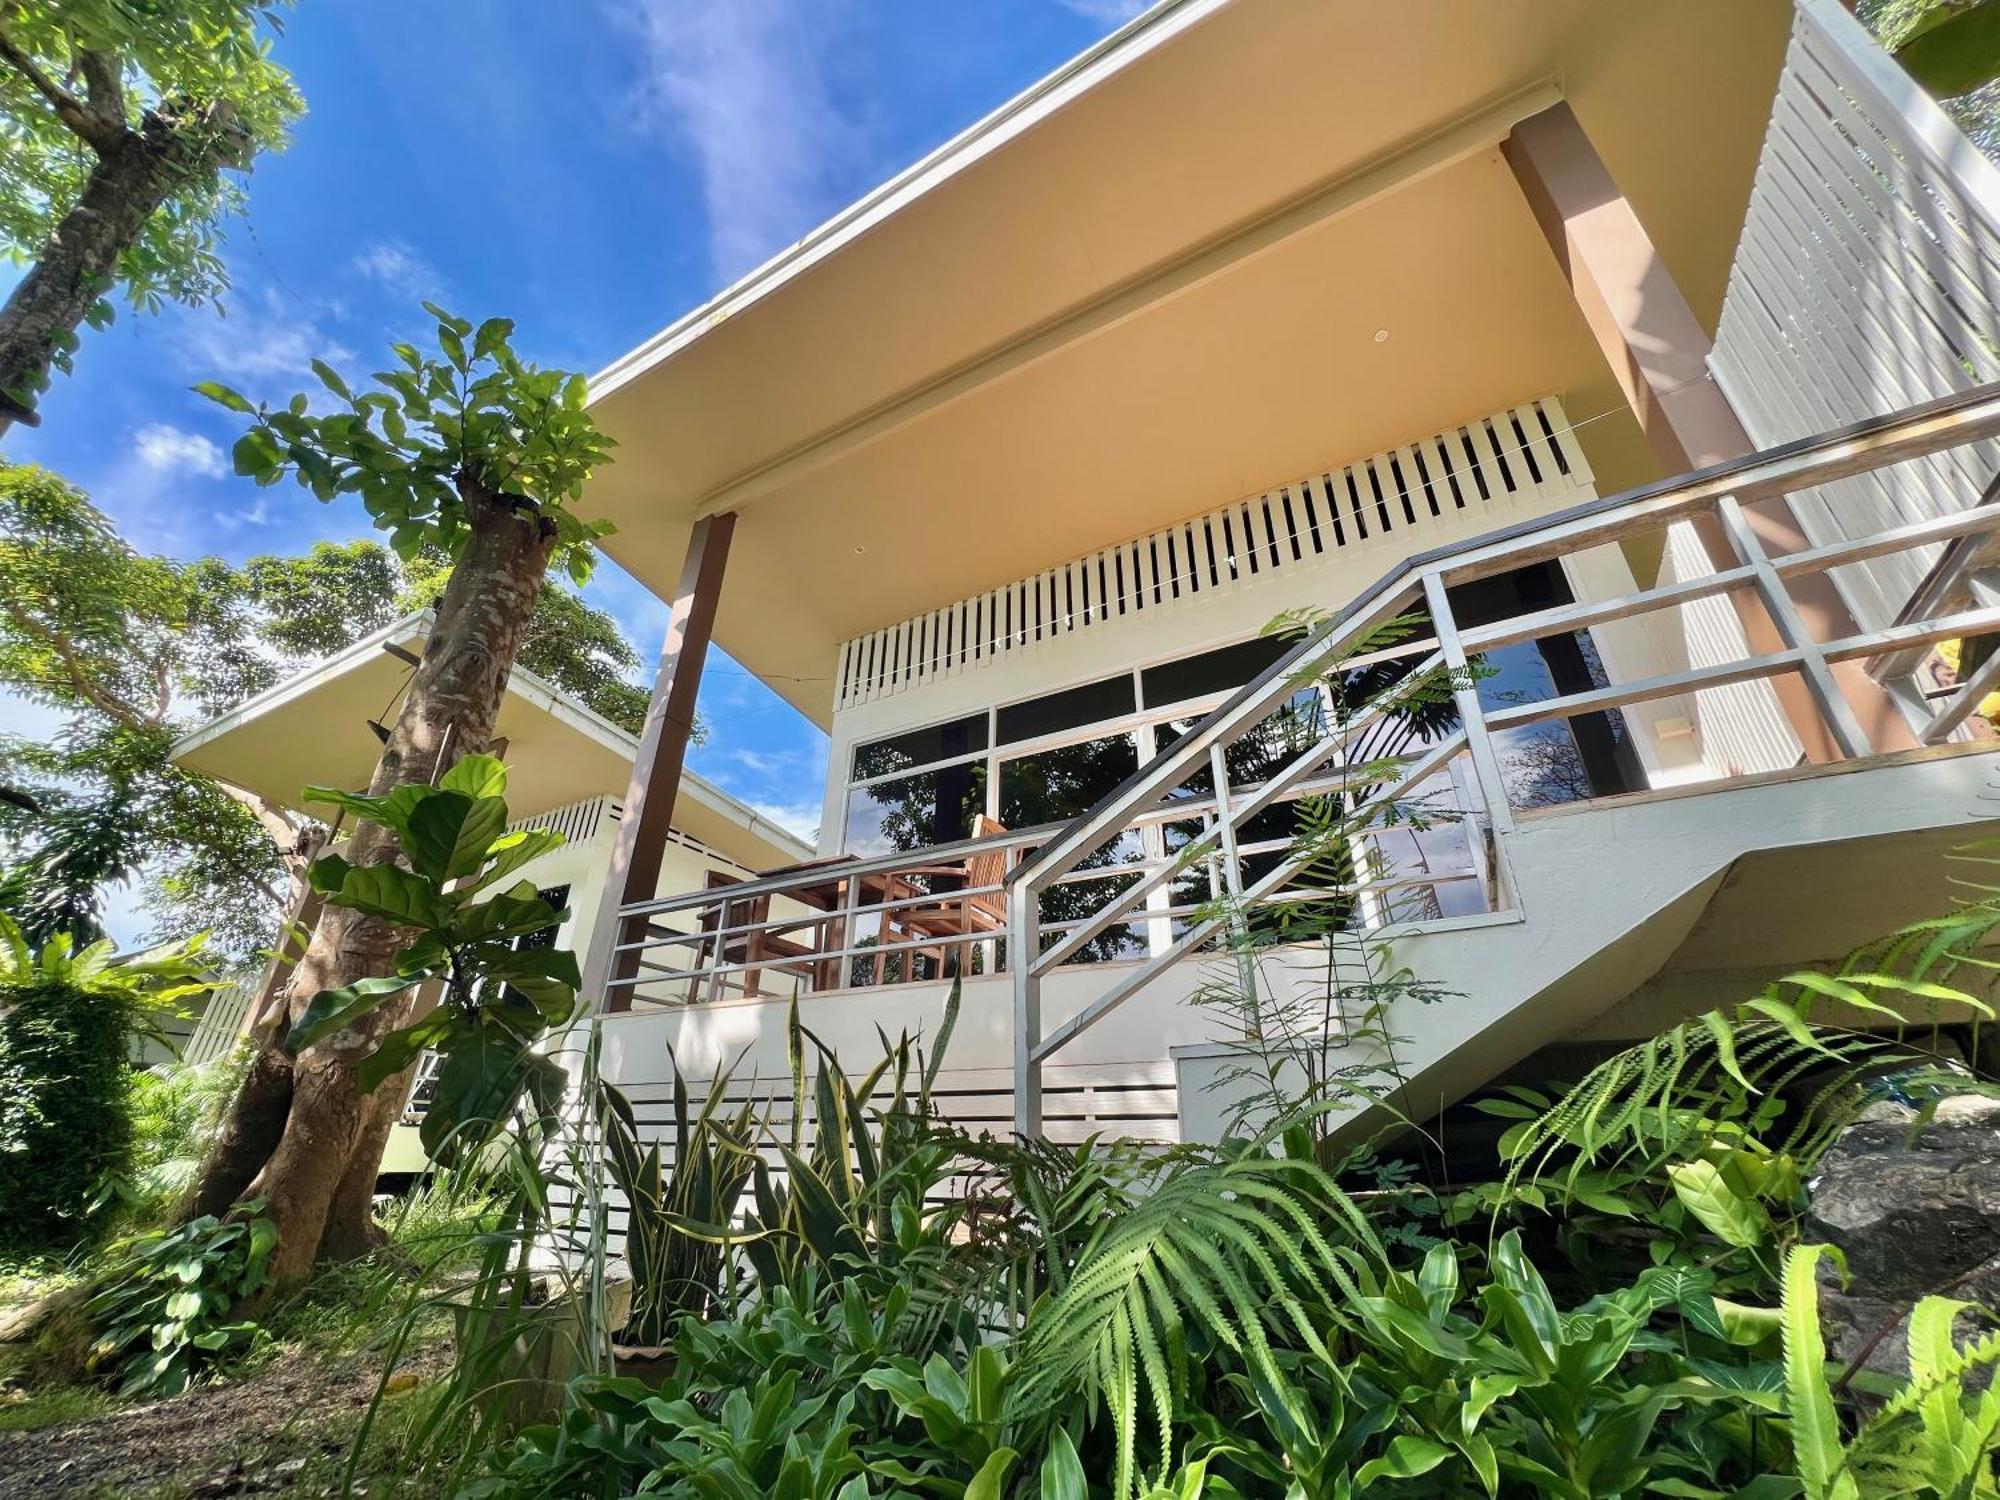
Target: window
{"type": "Point", "coordinates": [916, 812]}
{"type": "Point", "coordinates": [1052, 786]}
{"type": "Point", "coordinates": [920, 747]}
{"type": "Point", "coordinates": [1092, 703]}
{"type": "Point", "coordinates": [1219, 671]}
{"type": "Point", "coordinates": [1560, 760]}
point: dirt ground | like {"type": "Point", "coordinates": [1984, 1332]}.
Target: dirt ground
{"type": "Point", "coordinates": [281, 1430]}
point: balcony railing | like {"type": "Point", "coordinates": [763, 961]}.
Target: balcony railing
{"type": "Point", "coordinates": [1132, 885]}
{"type": "Point", "coordinates": [927, 914]}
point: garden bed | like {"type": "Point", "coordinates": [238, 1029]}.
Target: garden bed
{"type": "Point", "coordinates": [281, 1429]}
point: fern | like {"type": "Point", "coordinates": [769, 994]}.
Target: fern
{"type": "Point", "coordinates": [1956, 1434]}
{"type": "Point", "coordinates": [1233, 1252]}
{"type": "Point", "coordinates": [1816, 1445]}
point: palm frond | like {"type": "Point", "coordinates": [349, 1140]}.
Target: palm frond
{"type": "Point", "coordinates": [1230, 1255]}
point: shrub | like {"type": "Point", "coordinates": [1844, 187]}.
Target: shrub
{"type": "Point", "coordinates": [165, 1315]}
{"type": "Point", "coordinates": [67, 1020]}
{"type": "Point", "coordinates": [65, 1112]}
{"type": "Point", "coordinates": [174, 1111]}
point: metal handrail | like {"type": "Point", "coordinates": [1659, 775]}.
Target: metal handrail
{"type": "Point", "coordinates": [1720, 491]}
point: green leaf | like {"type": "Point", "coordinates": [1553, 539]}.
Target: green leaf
{"type": "Point", "coordinates": [223, 395]}
{"type": "Point", "coordinates": [515, 912]}
{"type": "Point", "coordinates": [330, 1010]}
{"type": "Point", "coordinates": [400, 1048]}
{"type": "Point", "coordinates": [991, 1480]}
{"type": "Point", "coordinates": [392, 893]}
{"type": "Point", "coordinates": [257, 455]}
{"type": "Point", "coordinates": [391, 811]}
{"type": "Point", "coordinates": [512, 850]}
{"type": "Point", "coordinates": [1062, 1470]}
{"type": "Point", "coordinates": [330, 378]}
{"type": "Point", "coordinates": [547, 976]}
{"type": "Point", "coordinates": [1956, 49]}
{"type": "Point", "coordinates": [327, 872]}
{"type": "Point", "coordinates": [476, 776]}
{"type": "Point", "coordinates": [482, 1078]}
{"type": "Point", "coordinates": [492, 336]}
{"type": "Point", "coordinates": [1408, 1457]}
{"type": "Point", "coordinates": [1816, 1443]}
{"type": "Point", "coordinates": [449, 833]}
{"type": "Point", "coordinates": [1726, 1214]}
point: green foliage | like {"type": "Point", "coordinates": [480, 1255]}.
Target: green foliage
{"type": "Point", "coordinates": [134, 650]}
{"type": "Point", "coordinates": [478, 420]}
{"type": "Point", "coordinates": [67, 1022]}
{"type": "Point", "coordinates": [854, 1200]}
{"type": "Point", "coordinates": [1950, 48]}
{"type": "Point", "coordinates": [695, 1187]}
{"type": "Point", "coordinates": [164, 1316]}
{"type": "Point", "coordinates": [174, 1112]}
{"type": "Point", "coordinates": [1625, 1311]}
{"type": "Point", "coordinates": [195, 72]}
{"type": "Point", "coordinates": [498, 998]}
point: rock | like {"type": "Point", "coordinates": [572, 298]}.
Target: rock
{"type": "Point", "coordinates": [1915, 1216]}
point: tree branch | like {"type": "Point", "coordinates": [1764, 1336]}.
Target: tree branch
{"type": "Point", "coordinates": [65, 651]}
{"type": "Point", "coordinates": [106, 97]}
{"type": "Point", "coordinates": [80, 119]}
{"type": "Point", "coordinates": [284, 833]}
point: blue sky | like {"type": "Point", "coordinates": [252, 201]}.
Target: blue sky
{"type": "Point", "coordinates": [590, 168]}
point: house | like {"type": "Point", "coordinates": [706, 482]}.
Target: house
{"type": "Point", "coordinates": [1646, 353]}
{"type": "Point", "coordinates": [1643, 354]}
{"type": "Point", "coordinates": [567, 767]}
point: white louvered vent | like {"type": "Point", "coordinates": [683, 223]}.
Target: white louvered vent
{"type": "Point", "coordinates": [1525, 456]}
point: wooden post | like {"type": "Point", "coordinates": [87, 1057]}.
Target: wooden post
{"type": "Point", "coordinates": [656, 773]}
{"type": "Point", "coordinates": [262, 1013]}
{"type": "Point", "coordinates": [1658, 351]}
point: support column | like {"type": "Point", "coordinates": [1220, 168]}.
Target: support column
{"type": "Point", "coordinates": [656, 773]}
{"type": "Point", "coordinates": [1658, 351]}
{"type": "Point", "coordinates": [260, 1016]}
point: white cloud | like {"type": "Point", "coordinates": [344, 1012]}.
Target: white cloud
{"type": "Point", "coordinates": [173, 450]}
{"type": "Point", "coordinates": [266, 341]}
{"type": "Point", "coordinates": [1109, 12]}
{"type": "Point", "coordinates": [801, 818]}
{"type": "Point", "coordinates": [402, 269]}
{"type": "Point", "coordinates": [744, 86]}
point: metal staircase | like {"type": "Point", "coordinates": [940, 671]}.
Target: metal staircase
{"type": "Point", "coordinates": [1717, 498]}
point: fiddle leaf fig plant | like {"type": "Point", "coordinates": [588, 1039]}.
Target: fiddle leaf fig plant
{"type": "Point", "coordinates": [498, 996]}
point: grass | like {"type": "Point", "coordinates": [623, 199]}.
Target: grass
{"type": "Point", "coordinates": [271, 1427]}
{"type": "Point", "coordinates": [29, 1411]}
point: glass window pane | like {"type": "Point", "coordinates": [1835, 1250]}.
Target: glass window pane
{"type": "Point", "coordinates": [920, 747]}
{"type": "Point", "coordinates": [1218, 671]}
{"type": "Point", "coordinates": [916, 812]}
{"type": "Point", "coordinates": [1056, 785]}
{"type": "Point", "coordinates": [1089, 704]}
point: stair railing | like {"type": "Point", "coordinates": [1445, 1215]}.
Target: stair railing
{"type": "Point", "coordinates": [1422, 583]}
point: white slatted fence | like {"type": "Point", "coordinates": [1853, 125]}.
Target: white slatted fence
{"type": "Point", "coordinates": [1867, 279]}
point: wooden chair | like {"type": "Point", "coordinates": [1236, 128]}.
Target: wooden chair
{"type": "Point", "coordinates": [747, 947]}
{"type": "Point", "coordinates": [950, 913]}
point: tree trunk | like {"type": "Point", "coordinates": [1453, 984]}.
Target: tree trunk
{"type": "Point", "coordinates": [351, 1231]}
{"type": "Point", "coordinates": [449, 711]}
{"type": "Point", "coordinates": [134, 175]}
